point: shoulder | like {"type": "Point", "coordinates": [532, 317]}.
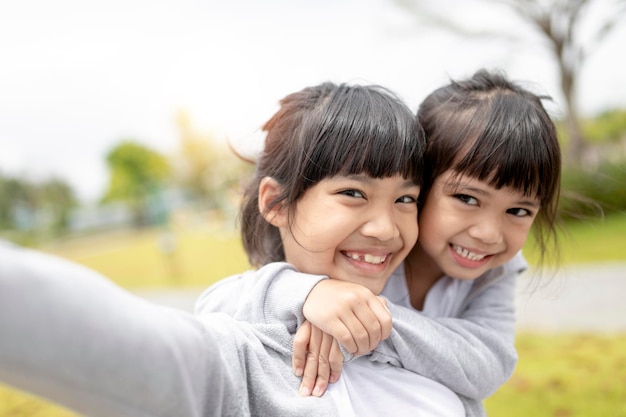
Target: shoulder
{"type": "Point", "coordinates": [226, 293]}
{"type": "Point", "coordinates": [517, 265]}
{"type": "Point", "coordinates": [511, 269]}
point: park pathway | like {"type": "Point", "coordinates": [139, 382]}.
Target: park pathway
{"type": "Point", "coordinates": [585, 298]}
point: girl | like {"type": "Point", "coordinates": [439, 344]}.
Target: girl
{"type": "Point", "coordinates": [492, 171]}
{"type": "Point", "coordinates": [332, 201]}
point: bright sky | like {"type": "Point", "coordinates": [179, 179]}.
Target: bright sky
{"type": "Point", "coordinates": [76, 77]}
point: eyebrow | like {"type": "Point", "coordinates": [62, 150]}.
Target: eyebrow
{"type": "Point", "coordinates": [529, 203]}
{"type": "Point", "coordinates": [368, 180]}
{"type": "Point", "coordinates": [358, 177]}
{"type": "Point", "coordinates": [410, 184]}
{"type": "Point", "coordinates": [460, 186]}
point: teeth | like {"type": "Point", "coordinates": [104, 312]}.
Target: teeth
{"type": "Point", "coordinates": [370, 259]}
{"type": "Point", "coordinates": [467, 254]}
{"type": "Point", "coordinates": [374, 259]}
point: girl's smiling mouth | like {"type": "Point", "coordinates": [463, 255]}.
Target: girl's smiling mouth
{"type": "Point", "coordinates": [366, 257]}
{"type": "Point", "coordinates": [467, 258]}
{"type": "Point", "coordinates": [464, 253]}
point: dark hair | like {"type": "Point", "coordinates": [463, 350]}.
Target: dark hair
{"type": "Point", "coordinates": [320, 132]}
{"type": "Point", "coordinates": [492, 129]}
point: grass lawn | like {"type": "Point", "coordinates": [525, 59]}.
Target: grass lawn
{"type": "Point", "coordinates": [587, 242]}
{"type": "Point", "coordinates": [565, 375]}
{"type": "Point", "coordinates": [559, 375]}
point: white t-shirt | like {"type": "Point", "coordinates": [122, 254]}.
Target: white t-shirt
{"type": "Point", "coordinates": [443, 300]}
{"type": "Point", "coordinates": [368, 388]}
{"type": "Point", "coordinates": [374, 389]}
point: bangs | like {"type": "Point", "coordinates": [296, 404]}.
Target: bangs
{"type": "Point", "coordinates": [519, 156]}
{"type": "Point", "coordinates": [380, 138]}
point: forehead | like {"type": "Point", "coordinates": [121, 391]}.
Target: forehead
{"type": "Point", "coordinates": [369, 179]}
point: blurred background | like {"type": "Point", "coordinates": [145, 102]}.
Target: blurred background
{"type": "Point", "coordinates": [118, 122]}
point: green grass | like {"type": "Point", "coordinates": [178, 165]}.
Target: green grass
{"type": "Point", "coordinates": [565, 376]}
{"type": "Point", "coordinates": [558, 375]}
{"type": "Point", "coordinates": [134, 260]}
{"type": "Point", "coordinates": [588, 242]}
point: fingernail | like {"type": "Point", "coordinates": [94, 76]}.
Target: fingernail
{"type": "Point", "coordinates": [333, 379]}
{"type": "Point", "coordinates": [299, 371]}
{"type": "Point", "coordinates": [304, 391]}
{"type": "Point", "coordinates": [317, 391]}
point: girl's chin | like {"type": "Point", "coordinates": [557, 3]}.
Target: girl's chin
{"type": "Point", "coordinates": [464, 272]}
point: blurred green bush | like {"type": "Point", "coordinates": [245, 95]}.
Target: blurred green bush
{"type": "Point", "coordinates": [592, 194]}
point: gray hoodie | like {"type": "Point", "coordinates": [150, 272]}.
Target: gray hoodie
{"type": "Point", "coordinates": [471, 351]}
{"type": "Point", "coordinates": [73, 337]}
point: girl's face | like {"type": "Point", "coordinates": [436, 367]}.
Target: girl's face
{"type": "Point", "coordinates": [354, 228]}
{"type": "Point", "coordinates": [468, 227]}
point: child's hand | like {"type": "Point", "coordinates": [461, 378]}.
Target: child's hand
{"type": "Point", "coordinates": [317, 358]}
{"type": "Point", "coordinates": [349, 312]}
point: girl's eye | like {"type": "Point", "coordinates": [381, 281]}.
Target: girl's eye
{"type": "Point", "coordinates": [467, 199]}
{"type": "Point", "coordinates": [352, 193]}
{"type": "Point", "coordinates": [519, 212]}
{"type": "Point", "coordinates": [407, 199]}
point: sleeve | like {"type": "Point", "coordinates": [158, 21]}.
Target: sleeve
{"type": "Point", "coordinates": [473, 354]}
{"type": "Point", "coordinates": [73, 337]}
{"type": "Point", "coordinates": [274, 293]}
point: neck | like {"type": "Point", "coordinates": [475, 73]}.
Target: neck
{"type": "Point", "coordinates": [421, 274]}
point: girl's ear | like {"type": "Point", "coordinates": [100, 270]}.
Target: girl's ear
{"type": "Point", "coordinates": [269, 189]}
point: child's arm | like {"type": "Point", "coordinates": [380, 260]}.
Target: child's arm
{"type": "Point", "coordinates": [473, 354]}
{"type": "Point", "coordinates": [70, 335]}
{"type": "Point", "coordinates": [276, 292]}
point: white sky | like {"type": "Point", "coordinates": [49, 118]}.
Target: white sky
{"type": "Point", "coordinates": [76, 77]}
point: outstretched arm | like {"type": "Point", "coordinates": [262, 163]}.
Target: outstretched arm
{"type": "Point", "coordinates": [72, 336]}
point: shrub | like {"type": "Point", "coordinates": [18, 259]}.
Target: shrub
{"type": "Point", "coordinates": [593, 194]}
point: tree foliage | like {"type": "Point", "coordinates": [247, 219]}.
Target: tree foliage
{"type": "Point", "coordinates": [33, 209]}
{"type": "Point", "coordinates": [136, 173]}
{"type": "Point", "coordinates": [608, 127]}
{"type": "Point", "coordinates": [207, 170]}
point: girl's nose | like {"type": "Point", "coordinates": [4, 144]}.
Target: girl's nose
{"type": "Point", "coordinates": [382, 226]}
{"type": "Point", "coordinates": [487, 230]}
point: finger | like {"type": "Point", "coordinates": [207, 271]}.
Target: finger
{"type": "Point", "coordinates": [323, 365]}
{"type": "Point", "coordinates": [309, 375]}
{"type": "Point", "coordinates": [300, 346]}
{"type": "Point", "coordinates": [376, 319]}
{"type": "Point", "coordinates": [366, 329]}
{"type": "Point", "coordinates": [384, 317]}
{"type": "Point", "coordinates": [336, 362]}
{"type": "Point", "coordinates": [344, 335]}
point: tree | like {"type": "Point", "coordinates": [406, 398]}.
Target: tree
{"type": "Point", "coordinates": [561, 24]}
{"type": "Point", "coordinates": [17, 201]}
{"type": "Point", "coordinates": [137, 173]}
{"type": "Point", "coordinates": [35, 209]}
{"type": "Point", "coordinates": [58, 199]}
{"type": "Point", "coordinates": [206, 170]}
